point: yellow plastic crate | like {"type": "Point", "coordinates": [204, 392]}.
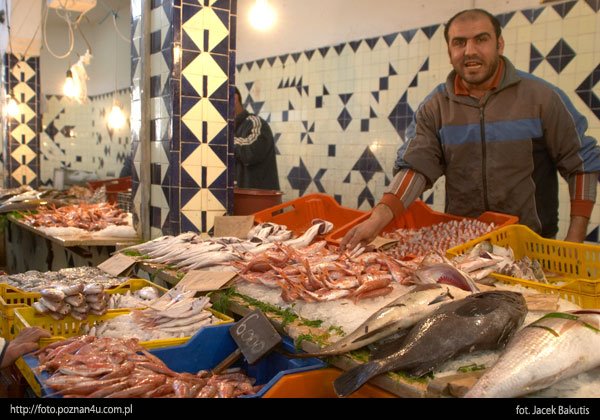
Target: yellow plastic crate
{"type": "Point", "coordinates": [71, 327]}
{"type": "Point", "coordinates": [12, 297]}
{"type": "Point", "coordinates": [577, 266]}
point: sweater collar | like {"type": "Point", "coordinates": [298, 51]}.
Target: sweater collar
{"type": "Point", "coordinates": [240, 118]}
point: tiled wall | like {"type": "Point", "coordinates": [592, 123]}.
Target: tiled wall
{"type": "Point", "coordinates": [22, 142]}
{"type": "Point", "coordinates": [192, 50]}
{"type": "Point", "coordinates": [338, 113]}
{"type": "Point", "coordinates": [77, 136]}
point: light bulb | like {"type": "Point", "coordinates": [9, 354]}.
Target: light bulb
{"type": "Point", "coordinates": [116, 118]}
{"type": "Point", "coordinates": [262, 15]}
{"type": "Point", "coordinates": [12, 108]}
{"type": "Point", "coordinates": [70, 88]}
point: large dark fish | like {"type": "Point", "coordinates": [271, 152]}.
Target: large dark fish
{"type": "Point", "coordinates": [484, 321]}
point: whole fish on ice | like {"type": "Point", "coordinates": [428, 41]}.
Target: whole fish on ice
{"type": "Point", "coordinates": [401, 313]}
{"type": "Point", "coordinates": [555, 347]}
{"type": "Point", "coordinates": [483, 321]}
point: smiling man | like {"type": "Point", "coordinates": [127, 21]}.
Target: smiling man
{"type": "Point", "coordinates": [499, 135]}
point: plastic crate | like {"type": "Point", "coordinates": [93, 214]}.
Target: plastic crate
{"type": "Point", "coordinates": [211, 345]}
{"type": "Point", "coordinates": [113, 187]}
{"type": "Point", "coordinates": [319, 384]}
{"type": "Point", "coordinates": [577, 265]}
{"type": "Point", "coordinates": [70, 327]}
{"type": "Point", "coordinates": [12, 297]}
{"type": "Point", "coordinates": [419, 215]}
{"type": "Point", "coordinates": [205, 350]}
{"type": "Point", "coordinates": [298, 214]}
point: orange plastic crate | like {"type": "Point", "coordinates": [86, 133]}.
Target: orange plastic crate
{"type": "Point", "coordinates": [420, 215]}
{"type": "Point", "coordinates": [298, 214]}
{"type": "Point", "coordinates": [318, 384]}
{"type": "Point", "coordinates": [113, 187]}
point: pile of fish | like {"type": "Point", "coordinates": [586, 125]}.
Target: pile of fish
{"type": "Point", "coordinates": [137, 299]}
{"type": "Point", "coordinates": [316, 273]}
{"type": "Point", "coordinates": [435, 238]}
{"type": "Point", "coordinates": [555, 347]}
{"type": "Point", "coordinates": [483, 321]}
{"type": "Point", "coordinates": [35, 281]}
{"type": "Point", "coordinates": [115, 368]}
{"type": "Point", "coordinates": [175, 315]}
{"type": "Point", "coordinates": [20, 198]}
{"type": "Point", "coordinates": [90, 217]}
{"type": "Point", "coordinates": [485, 258]}
{"type": "Point", "coordinates": [15, 195]}
{"type": "Point", "coordinates": [78, 300]}
{"type": "Point", "coordinates": [189, 251]}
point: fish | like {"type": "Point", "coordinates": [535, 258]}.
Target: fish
{"type": "Point", "coordinates": [401, 313]}
{"type": "Point", "coordinates": [483, 321]}
{"type": "Point", "coordinates": [444, 273]}
{"type": "Point", "coordinates": [555, 347]}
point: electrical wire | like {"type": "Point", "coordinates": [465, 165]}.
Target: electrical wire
{"type": "Point", "coordinates": [45, 35]}
{"type": "Point", "coordinates": [65, 15]}
{"type": "Point", "coordinates": [114, 15]}
{"type": "Point", "coordinates": [8, 27]}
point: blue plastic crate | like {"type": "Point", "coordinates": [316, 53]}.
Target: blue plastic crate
{"type": "Point", "coordinates": [209, 347]}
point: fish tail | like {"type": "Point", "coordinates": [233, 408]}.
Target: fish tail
{"type": "Point", "coordinates": [353, 379]}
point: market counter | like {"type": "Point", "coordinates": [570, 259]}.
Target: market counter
{"type": "Point", "coordinates": [28, 248]}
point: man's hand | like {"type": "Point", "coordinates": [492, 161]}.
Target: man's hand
{"type": "Point", "coordinates": [25, 342]}
{"type": "Point", "coordinates": [369, 229]}
{"type": "Point", "coordinates": [577, 229]}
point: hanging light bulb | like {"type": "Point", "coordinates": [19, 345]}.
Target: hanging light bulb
{"type": "Point", "coordinates": [262, 15]}
{"type": "Point", "coordinates": [70, 88]}
{"type": "Point", "coordinates": [116, 117]}
{"type": "Point", "coordinates": [12, 107]}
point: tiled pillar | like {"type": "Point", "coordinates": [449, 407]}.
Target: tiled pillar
{"type": "Point", "coordinates": [192, 65]}
{"type": "Point", "coordinates": [22, 142]}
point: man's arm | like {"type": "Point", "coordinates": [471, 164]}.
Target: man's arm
{"type": "Point", "coordinates": [582, 190]}
{"type": "Point", "coordinates": [255, 147]}
{"type": "Point", "coordinates": [406, 186]}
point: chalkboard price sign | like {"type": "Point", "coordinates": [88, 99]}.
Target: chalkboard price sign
{"type": "Point", "coordinates": [254, 335]}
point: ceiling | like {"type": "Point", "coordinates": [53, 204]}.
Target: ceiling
{"type": "Point", "coordinates": [95, 16]}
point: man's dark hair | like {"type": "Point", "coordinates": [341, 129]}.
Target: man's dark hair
{"type": "Point", "coordinates": [495, 22]}
{"type": "Point", "coordinates": [237, 92]}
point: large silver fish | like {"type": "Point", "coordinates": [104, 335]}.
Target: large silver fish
{"type": "Point", "coordinates": [483, 321]}
{"type": "Point", "coordinates": [555, 347]}
{"type": "Point", "coordinates": [399, 314]}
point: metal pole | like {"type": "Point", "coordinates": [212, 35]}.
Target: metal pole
{"type": "Point", "coordinates": [145, 181]}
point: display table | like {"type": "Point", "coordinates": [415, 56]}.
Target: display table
{"type": "Point", "coordinates": [28, 248]}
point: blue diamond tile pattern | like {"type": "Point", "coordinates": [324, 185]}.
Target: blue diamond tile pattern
{"type": "Point", "coordinates": [564, 8]}
{"type": "Point", "coordinates": [299, 178]}
{"type": "Point", "coordinates": [366, 195]}
{"type": "Point", "coordinates": [586, 93]}
{"type": "Point", "coordinates": [535, 58]}
{"type": "Point", "coordinates": [344, 119]}
{"type": "Point", "coordinates": [560, 56]}
{"type": "Point", "coordinates": [409, 35]}
{"type": "Point", "coordinates": [532, 14]}
{"type": "Point", "coordinates": [367, 165]}
{"type": "Point", "coordinates": [22, 162]}
{"type": "Point", "coordinates": [505, 18]}
{"type": "Point", "coordinates": [594, 4]}
{"type": "Point", "coordinates": [401, 116]}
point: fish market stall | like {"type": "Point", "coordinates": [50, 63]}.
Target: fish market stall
{"type": "Point", "coordinates": [44, 247]}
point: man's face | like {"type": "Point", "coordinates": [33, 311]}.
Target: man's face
{"type": "Point", "coordinates": [238, 105]}
{"type": "Point", "coordinates": [473, 48]}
